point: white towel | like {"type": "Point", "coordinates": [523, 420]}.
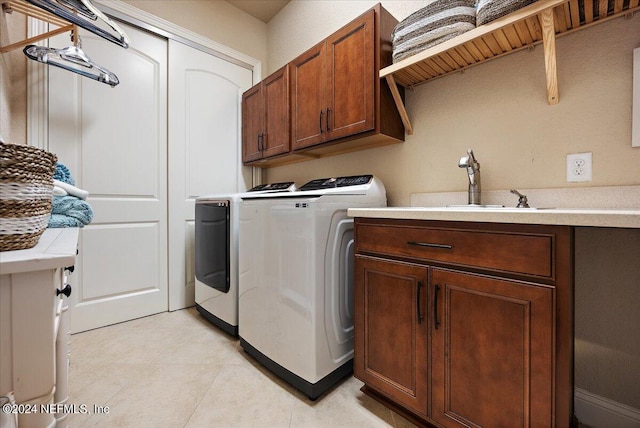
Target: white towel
{"type": "Point", "coordinates": [71, 190]}
{"type": "Point", "coordinates": [59, 191]}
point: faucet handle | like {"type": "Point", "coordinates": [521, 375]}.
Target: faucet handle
{"type": "Point", "coordinates": [522, 201]}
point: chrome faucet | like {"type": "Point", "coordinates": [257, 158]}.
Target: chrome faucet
{"type": "Point", "coordinates": [473, 171]}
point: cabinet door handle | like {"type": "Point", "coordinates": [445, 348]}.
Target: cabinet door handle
{"type": "Point", "coordinates": [328, 110]}
{"type": "Point", "coordinates": [321, 113]}
{"type": "Point", "coordinates": [66, 291]}
{"type": "Point", "coordinates": [420, 316]}
{"type": "Point", "coordinates": [259, 142]}
{"type": "Point", "coordinates": [436, 321]}
{"type": "Point", "coordinates": [430, 245]}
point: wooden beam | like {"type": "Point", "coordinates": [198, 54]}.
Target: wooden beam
{"type": "Point", "coordinates": [549, 43]}
{"type": "Point", "coordinates": [399, 104]}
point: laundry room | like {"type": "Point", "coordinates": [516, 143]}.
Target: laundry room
{"type": "Point", "coordinates": [328, 213]}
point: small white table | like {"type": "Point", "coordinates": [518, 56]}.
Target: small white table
{"type": "Point", "coordinates": [34, 329]}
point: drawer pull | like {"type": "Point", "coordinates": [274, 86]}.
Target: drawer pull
{"type": "Point", "coordinates": [429, 245]}
{"type": "Point", "coordinates": [66, 291]}
{"type": "Point", "coordinates": [436, 321]}
{"type": "Point", "coordinates": [420, 316]}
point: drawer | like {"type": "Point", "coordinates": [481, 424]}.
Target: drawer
{"type": "Point", "coordinates": [522, 253]}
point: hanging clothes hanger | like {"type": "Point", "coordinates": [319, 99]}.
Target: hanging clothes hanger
{"type": "Point", "coordinates": [79, 7]}
{"type": "Point", "coordinates": [71, 58]}
{"type": "Point", "coordinates": [77, 12]}
{"type": "Point", "coordinates": [87, 9]}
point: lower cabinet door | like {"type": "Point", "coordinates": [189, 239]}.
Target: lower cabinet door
{"type": "Point", "coordinates": [492, 351]}
{"type": "Point", "coordinates": [391, 333]}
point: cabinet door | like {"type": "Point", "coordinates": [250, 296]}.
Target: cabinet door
{"type": "Point", "coordinates": [277, 126]}
{"type": "Point", "coordinates": [308, 105]}
{"type": "Point", "coordinates": [252, 123]}
{"type": "Point", "coordinates": [492, 351]}
{"type": "Point", "coordinates": [390, 330]}
{"type": "Point", "coordinates": [351, 75]}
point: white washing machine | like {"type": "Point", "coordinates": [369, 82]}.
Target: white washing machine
{"type": "Point", "coordinates": [216, 253]}
{"type": "Point", "coordinates": [296, 259]}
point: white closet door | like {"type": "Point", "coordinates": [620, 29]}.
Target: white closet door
{"type": "Point", "coordinates": [114, 140]}
{"type": "Point", "coordinates": [204, 150]}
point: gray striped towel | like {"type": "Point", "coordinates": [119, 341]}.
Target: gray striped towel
{"type": "Point", "coordinates": [439, 21]}
{"type": "Point", "coordinates": [488, 10]}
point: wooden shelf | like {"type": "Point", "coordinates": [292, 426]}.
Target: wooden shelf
{"type": "Point", "coordinates": [540, 22]}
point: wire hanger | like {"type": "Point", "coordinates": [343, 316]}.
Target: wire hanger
{"type": "Point", "coordinates": [81, 13]}
{"type": "Point", "coordinates": [71, 58]}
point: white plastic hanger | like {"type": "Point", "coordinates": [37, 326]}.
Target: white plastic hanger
{"type": "Point", "coordinates": [71, 58]}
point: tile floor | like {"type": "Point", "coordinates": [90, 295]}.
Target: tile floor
{"type": "Point", "coordinates": [175, 369]}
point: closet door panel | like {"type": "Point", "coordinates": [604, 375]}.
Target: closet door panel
{"type": "Point", "coordinates": [114, 141]}
{"type": "Point", "coordinates": [204, 149]}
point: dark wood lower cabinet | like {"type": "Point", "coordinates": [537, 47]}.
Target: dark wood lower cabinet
{"type": "Point", "coordinates": [457, 338]}
{"type": "Point", "coordinates": [392, 344]}
{"type": "Point", "coordinates": [492, 352]}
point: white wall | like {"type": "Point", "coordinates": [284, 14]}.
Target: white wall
{"type": "Point", "coordinates": [13, 80]}
{"type": "Point", "coordinates": [216, 20]}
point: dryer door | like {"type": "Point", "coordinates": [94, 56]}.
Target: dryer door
{"type": "Point", "coordinates": [212, 232]}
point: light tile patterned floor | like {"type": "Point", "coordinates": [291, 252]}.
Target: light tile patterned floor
{"type": "Point", "coordinates": [175, 369]}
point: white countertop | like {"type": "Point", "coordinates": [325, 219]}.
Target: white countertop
{"type": "Point", "coordinates": [56, 248]}
{"type": "Point", "coordinates": [569, 217]}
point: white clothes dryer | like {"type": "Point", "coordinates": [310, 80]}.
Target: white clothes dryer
{"type": "Point", "coordinates": [216, 254]}
{"type": "Point", "coordinates": [296, 262]}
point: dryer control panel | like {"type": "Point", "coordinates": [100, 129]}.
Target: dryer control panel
{"type": "Point", "coordinates": [286, 186]}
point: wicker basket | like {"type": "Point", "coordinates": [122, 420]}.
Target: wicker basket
{"type": "Point", "coordinates": [26, 188]}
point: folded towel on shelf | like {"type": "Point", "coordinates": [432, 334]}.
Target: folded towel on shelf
{"type": "Point", "coordinates": [58, 221]}
{"type": "Point", "coordinates": [59, 191]}
{"type": "Point", "coordinates": [69, 211]}
{"type": "Point", "coordinates": [69, 208]}
{"type": "Point", "coordinates": [439, 21]}
{"type": "Point", "coordinates": [63, 174]}
{"type": "Point", "coordinates": [488, 10]}
{"type": "Point", "coordinates": [71, 190]}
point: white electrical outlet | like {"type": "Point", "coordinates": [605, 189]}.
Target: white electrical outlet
{"type": "Point", "coordinates": [579, 167]}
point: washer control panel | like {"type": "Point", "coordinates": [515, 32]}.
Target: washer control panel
{"type": "Point", "coordinates": [329, 183]}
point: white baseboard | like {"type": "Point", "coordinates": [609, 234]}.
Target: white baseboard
{"type": "Point", "coordinates": [600, 412]}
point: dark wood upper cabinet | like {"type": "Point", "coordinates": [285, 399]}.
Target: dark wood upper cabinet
{"type": "Point", "coordinates": [252, 123]}
{"type": "Point", "coordinates": [333, 86]}
{"type": "Point", "coordinates": [308, 102]}
{"type": "Point", "coordinates": [266, 121]}
{"type": "Point", "coordinates": [338, 102]}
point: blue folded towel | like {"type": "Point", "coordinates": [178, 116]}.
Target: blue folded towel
{"type": "Point", "coordinates": [63, 174]}
{"type": "Point", "coordinates": [69, 211]}
{"type": "Point", "coordinates": [57, 221]}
